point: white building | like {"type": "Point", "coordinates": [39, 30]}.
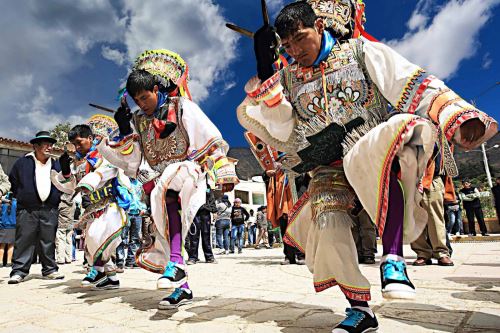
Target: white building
{"type": "Point", "coordinates": [251, 192]}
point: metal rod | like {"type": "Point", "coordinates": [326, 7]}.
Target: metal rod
{"type": "Point", "coordinates": [240, 30]}
{"type": "Point", "coordinates": [103, 108]}
{"type": "Point", "coordinates": [265, 13]}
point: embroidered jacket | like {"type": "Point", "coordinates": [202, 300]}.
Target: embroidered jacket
{"type": "Point", "coordinates": [315, 114]}
{"type": "Point", "coordinates": [196, 139]}
{"type": "Point", "coordinates": [104, 182]}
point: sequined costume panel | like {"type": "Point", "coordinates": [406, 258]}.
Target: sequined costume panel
{"type": "Point", "coordinates": [352, 100]}
{"type": "Point", "coordinates": [162, 152]}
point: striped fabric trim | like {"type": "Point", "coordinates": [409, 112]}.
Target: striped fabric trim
{"type": "Point", "coordinates": [410, 89]}
{"type": "Point", "coordinates": [354, 293]}
{"type": "Point", "coordinates": [457, 119]}
{"type": "Point", "coordinates": [439, 102]}
{"type": "Point", "coordinates": [207, 149]}
{"type": "Point", "coordinates": [270, 91]}
{"type": "Point", "coordinates": [383, 179]}
{"type": "Point", "coordinates": [116, 234]}
{"type": "Point", "coordinates": [418, 95]}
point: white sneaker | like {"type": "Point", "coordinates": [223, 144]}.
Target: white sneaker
{"type": "Point", "coordinates": [54, 276]}
{"type": "Point", "coordinates": [15, 279]}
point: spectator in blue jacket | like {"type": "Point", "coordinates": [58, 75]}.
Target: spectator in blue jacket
{"type": "Point", "coordinates": [131, 234]}
{"type": "Point", "coordinates": [7, 222]}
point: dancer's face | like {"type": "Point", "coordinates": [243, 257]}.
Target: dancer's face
{"type": "Point", "coordinates": [304, 45]}
{"type": "Point", "coordinates": [147, 100]}
{"type": "Point", "coordinates": [82, 145]}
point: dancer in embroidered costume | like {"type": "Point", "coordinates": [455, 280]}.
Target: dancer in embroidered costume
{"type": "Point", "coordinates": [106, 192]}
{"type": "Point", "coordinates": [328, 111]}
{"type": "Point", "coordinates": [182, 145]}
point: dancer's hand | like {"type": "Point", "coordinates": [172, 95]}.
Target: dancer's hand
{"type": "Point", "coordinates": [65, 163]}
{"type": "Point", "coordinates": [471, 131]}
{"type": "Point", "coordinates": [265, 44]}
{"type": "Point", "coordinates": [123, 117]}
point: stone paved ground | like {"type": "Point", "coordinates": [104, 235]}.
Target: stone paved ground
{"type": "Point", "coordinates": [252, 292]}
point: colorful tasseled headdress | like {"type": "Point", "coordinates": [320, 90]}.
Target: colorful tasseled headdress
{"type": "Point", "coordinates": [166, 66]}
{"type": "Point", "coordinates": [102, 125]}
{"type": "Point", "coordinates": [338, 15]}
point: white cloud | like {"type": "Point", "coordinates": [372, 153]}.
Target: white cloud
{"type": "Point", "coordinates": [487, 61]}
{"type": "Point", "coordinates": [450, 38]}
{"type": "Point", "coordinates": [228, 86]}
{"type": "Point", "coordinates": [420, 15]}
{"type": "Point", "coordinates": [46, 44]}
{"type": "Point", "coordinates": [274, 7]}
{"type": "Point", "coordinates": [114, 55]}
{"type": "Point", "coordinates": [43, 43]}
{"type": "Point", "coordinates": [193, 28]}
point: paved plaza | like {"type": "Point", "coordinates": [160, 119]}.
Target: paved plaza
{"type": "Point", "coordinates": [252, 292]}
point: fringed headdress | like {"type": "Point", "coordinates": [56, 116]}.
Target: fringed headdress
{"type": "Point", "coordinates": [167, 67]}
{"type": "Point", "coordinates": [345, 17]}
{"type": "Point", "coordinates": [102, 125]}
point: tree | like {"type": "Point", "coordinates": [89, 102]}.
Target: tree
{"type": "Point", "coordinates": [60, 133]}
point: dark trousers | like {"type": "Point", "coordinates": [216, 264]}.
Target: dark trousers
{"type": "Point", "coordinates": [35, 227]}
{"type": "Point", "coordinates": [478, 212]}
{"type": "Point", "coordinates": [365, 235]}
{"type": "Point", "coordinates": [291, 253]}
{"type": "Point", "coordinates": [131, 241]}
{"type": "Point", "coordinates": [201, 226]}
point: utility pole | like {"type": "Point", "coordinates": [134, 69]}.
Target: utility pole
{"type": "Point", "coordinates": [485, 158]}
{"type": "Point", "coordinates": [486, 167]}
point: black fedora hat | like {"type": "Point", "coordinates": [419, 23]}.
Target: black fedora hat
{"type": "Point", "coordinates": [43, 136]}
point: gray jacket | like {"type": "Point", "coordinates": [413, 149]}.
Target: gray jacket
{"type": "Point", "coordinates": [223, 211]}
{"type": "Point", "coordinates": [66, 212]}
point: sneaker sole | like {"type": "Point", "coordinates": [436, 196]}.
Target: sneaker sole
{"type": "Point", "coordinates": [168, 306]}
{"type": "Point", "coordinates": [398, 294]}
{"type": "Point", "coordinates": [14, 282]}
{"type": "Point", "coordinates": [91, 284]}
{"type": "Point", "coordinates": [167, 284]}
{"type": "Point", "coordinates": [111, 287]}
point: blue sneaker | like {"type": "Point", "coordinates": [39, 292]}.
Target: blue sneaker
{"type": "Point", "coordinates": [180, 296]}
{"type": "Point", "coordinates": [173, 277]}
{"type": "Point", "coordinates": [356, 321]}
{"type": "Point", "coordinates": [395, 281]}
{"type": "Point", "coordinates": [93, 278]}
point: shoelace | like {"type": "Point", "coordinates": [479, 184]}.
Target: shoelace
{"type": "Point", "coordinates": [395, 270]}
{"type": "Point", "coordinates": [92, 273]}
{"type": "Point", "coordinates": [176, 294]}
{"type": "Point", "coordinates": [354, 317]}
{"type": "Point", "coordinates": [170, 269]}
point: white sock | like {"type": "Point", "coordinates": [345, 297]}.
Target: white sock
{"type": "Point", "coordinates": [99, 268]}
{"type": "Point", "coordinates": [365, 309]}
{"type": "Point", "coordinates": [394, 257]}
{"type": "Point", "coordinates": [187, 290]}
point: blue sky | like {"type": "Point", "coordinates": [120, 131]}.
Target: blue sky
{"type": "Point", "coordinates": [58, 56]}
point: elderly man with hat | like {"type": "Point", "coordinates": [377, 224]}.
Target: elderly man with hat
{"type": "Point", "coordinates": [37, 204]}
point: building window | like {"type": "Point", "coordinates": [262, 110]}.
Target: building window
{"type": "Point", "coordinates": [243, 195]}
{"type": "Point", "coordinates": [258, 199]}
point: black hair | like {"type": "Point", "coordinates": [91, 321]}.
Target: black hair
{"type": "Point", "coordinates": [82, 131]}
{"type": "Point", "coordinates": [251, 211]}
{"type": "Point", "coordinates": [140, 80]}
{"type": "Point", "coordinates": [290, 17]}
